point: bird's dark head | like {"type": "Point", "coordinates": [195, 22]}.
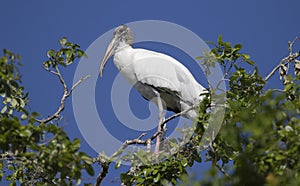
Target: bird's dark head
{"type": "Point", "coordinates": [122, 36]}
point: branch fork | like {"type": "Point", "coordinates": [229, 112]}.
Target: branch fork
{"type": "Point", "coordinates": [66, 94]}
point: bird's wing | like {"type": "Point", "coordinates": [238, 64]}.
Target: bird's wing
{"type": "Point", "coordinates": [166, 73]}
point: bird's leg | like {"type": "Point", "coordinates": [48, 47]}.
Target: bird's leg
{"type": "Point", "coordinates": [160, 128]}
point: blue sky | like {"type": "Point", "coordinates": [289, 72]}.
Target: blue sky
{"type": "Point", "coordinates": [30, 28]}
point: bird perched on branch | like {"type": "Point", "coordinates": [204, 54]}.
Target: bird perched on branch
{"type": "Point", "coordinates": [154, 75]}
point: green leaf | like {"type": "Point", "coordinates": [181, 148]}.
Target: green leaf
{"type": "Point", "coordinates": [140, 180]}
{"type": "Point", "coordinates": [51, 54]}
{"type": "Point", "coordinates": [220, 40]}
{"type": "Point", "coordinates": [10, 111]}
{"type": "Point", "coordinates": [199, 57]}
{"type": "Point", "coordinates": [157, 178]}
{"type": "Point", "coordinates": [89, 169]}
{"type": "Point", "coordinates": [81, 53]}
{"type": "Point", "coordinates": [118, 164]}
{"type": "Point", "coordinates": [87, 159]}
{"type": "Point", "coordinates": [78, 182]}
{"type": "Point", "coordinates": [10, 167]}
{"type": "Point", "coordinates": [196, 157]}
{"type": "Point", "coordinates": [25, 133]}
{"type": "Point", "coordinates": [12, 184]}
{"type": "Point", "coordinates": [47, 64]}
{"type": "Point", "coordinates": [60, 164]}
{"type": "Point", "coordinates": [184, 162]}
{"type": "Point", "coordinates": [63, 41]}
{"type": "Point", "coordinates": [250, 62]}
{"type": "Point", "coordinates": [237, 46]}
{"type": "Point", "coordinates": [227, 45]}
{"type": "Point", "coordinates": [288, 87]}
{"type": "Point", "coordinates": [24, 116]}
{"type": "Point", "coordinates": [14, 103]}
{"type": "Point", "coordinates": [68, 53]}
{"type": "Point", "coordinates": [35, 114]}
{"type": "Point", "coordinates": [246, 56]}
{"type": "Point", "coordinates": [4, 109]}
{"type": "Point", "coordinates": [69, 44]}
{"type": "Point", "coordinates": [76, 144]}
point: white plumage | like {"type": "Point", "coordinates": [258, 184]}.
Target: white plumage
{"type": "Point", "coordinates": [154, 74]}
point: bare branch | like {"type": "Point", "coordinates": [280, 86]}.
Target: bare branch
{"type": "Point", "coordinates": [105, 162]}
{"type": "Point", "coordinates": [61, 79]}
{"type": "Point", "coordinates": [278, 90]}
{"type": "Point", "coordinates": [53, 72]}
{"type": "Point", "coordinates": [56, 114]}
{"type": "Point", "coordinates": [65, 95]}
{"type": "Point", "coordinates": [177, 115]}
{"type": "Point", "coordinates": [291, 44]}
{"type": "Point", "coordinates": [220, 168]}
{"type": "Point", "coordinates": [291, 57]}
{"type": "Point", "coordinates": [78, 82]}
{"type": "Point", "coordinates": [102, 174]}
{"type": "Point", "coordinates": [127, 143]}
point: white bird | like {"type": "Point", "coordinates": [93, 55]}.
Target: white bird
{"type": "Point", "coordinates": [154, 74]}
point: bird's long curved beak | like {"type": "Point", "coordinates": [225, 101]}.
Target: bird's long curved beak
{"type": "Point", "coordinates": [109, 52]}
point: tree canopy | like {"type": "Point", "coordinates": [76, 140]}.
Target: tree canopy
{"type": "Point", "coordinates": [258, 142]}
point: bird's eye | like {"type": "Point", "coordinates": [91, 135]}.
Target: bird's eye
{"type": "Point", "coordinates": [121, 31]}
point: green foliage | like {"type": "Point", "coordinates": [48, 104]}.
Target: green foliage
{"type": "Point", "coordinates": [64, 56]}
{"type": "Point", "coordinates": [167, 171]}
{"type": "Point", "coordinates": [33, 153]}
{"type": "Point", "coordinates": [261, 129]}
{"type": "Point", "coordinates": [12, 94]}
{"type": "Point", "coordinates": [258, 142]}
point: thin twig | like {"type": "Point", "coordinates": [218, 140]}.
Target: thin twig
{"type": "Point", "coordinates": [61, 80]}
{"type": "Point", "coordinates": [53, 72]}
{"type": "Point", "coordinates": [220, 168]}
{"type": "Point", "coordinates": [278, 90]}
{"type": "Point", "coordinates": [291, 44]}
{"type": "Point", "coordinates": [291, 57]}
{"type": "Point", "coordinates": [177, 115]}
{"type": "Point", "coordinates": [66, 94]}
{"type": "Point", "coordinates": [137, 140]}
{"type": "Point", "coordinates": [214, 162]}
{"type": "Point", "coordinates": [275, 69]}
{"type": "Point", "coordinates": [78, 82]}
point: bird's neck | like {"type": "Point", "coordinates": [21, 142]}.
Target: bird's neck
{"type": "Point", "coordinates": [123, 56]}
{"type": "Point", "coordinates": [122, 45]}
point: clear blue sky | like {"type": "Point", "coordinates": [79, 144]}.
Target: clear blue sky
{"type": "Point", "coordinates": [30, 28]}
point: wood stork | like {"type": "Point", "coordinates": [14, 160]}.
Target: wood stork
{"type": "Point", "coordinates": [154, 75]}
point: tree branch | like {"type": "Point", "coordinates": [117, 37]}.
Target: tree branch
{"type": "Point", "coordinates": [291, 57]}
{"type": "Point", "coordinates": [178, 114]}
{"type": "Point", "coordinates": [65, 95]}
{"type": "Point", "coordinates": [214, 161]}
{"type": "Point", "coordinates": [220, 168]}
{"type": "Point", "coordinates": [78, 82]}
{"type": "Point", "coordinates": [105, 162]}
{"type": "Point", "coordinates": [102, 174]}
